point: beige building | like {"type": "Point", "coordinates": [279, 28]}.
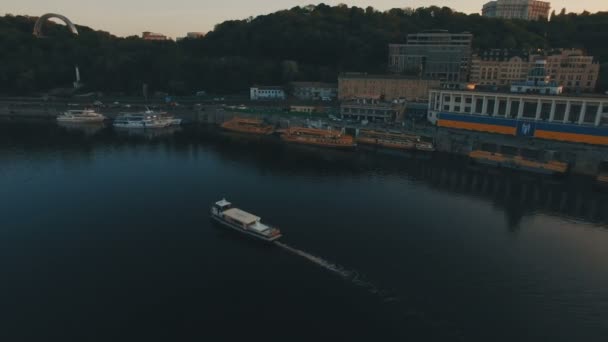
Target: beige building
{"type": "Point", "coordinates": [570, 68]}
{"type": "Point", "coordinates": [387, 87]}
{"type": "Point", "coordinates": [499, 67]}
{"type": "Point", "coordinates": [573, 70]}
{"type": "Point", "coordinates": [517, 9]}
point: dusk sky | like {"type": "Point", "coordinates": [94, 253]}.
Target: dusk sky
{"type": "Point", "coordinates": [175, 18]}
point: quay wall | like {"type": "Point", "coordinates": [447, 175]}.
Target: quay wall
{"type": "Point", "coordinates": [584, 159]}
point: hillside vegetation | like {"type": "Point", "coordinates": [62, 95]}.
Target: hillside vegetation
{"type": "Point", "coordinates": [302, 43]}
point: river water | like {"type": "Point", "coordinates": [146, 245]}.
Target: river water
{"type": "Point", "coordinates": [105, 236]}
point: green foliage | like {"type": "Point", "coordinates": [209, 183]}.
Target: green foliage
{"type": "Point", "coordinates": [303, 43]}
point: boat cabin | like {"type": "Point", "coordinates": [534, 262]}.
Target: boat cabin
{"type": "Point", "coordinates": [223, 205]}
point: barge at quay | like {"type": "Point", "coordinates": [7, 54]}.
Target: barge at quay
{"type": "Point", "coordinates": [246, 125]}
{"type": "Point", "coordinates": [318, 137]}
{"type": "Point", "coordinates": [389, 140]}
{"type": "Point", "coordinates": [241, 221]}
{"type": "Point", "coordinates": [496, 159]}
{"type": "Point", "coordinates": [401, 141]}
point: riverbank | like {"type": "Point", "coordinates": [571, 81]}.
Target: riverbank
{"type": "Point", "coordinates": [582, 159]}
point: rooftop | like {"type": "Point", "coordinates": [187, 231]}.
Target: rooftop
{"type": "Point", "coordinates": [505, 92]}
{"type": "Point", "coordinates": [267, 87]}
{"type": "Point", "coordinates": [241, 216]}
{"type": "Point", "coordinates": [382, 76]}
{"type": "Point", "coordinates": [314, 84]}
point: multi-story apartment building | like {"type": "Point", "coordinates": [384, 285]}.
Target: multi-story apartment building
{"type": "Point", "coordinates": [570, 68]}
{"type": "Point", "coordinates": [438, 55]}
{"type": "Point", "coordinates": [517, 9]}
{"type": "Point", "coordinates": [499, 67]}
{"type": "Point", "coordinates": [388, 87]}
{"type": "Point", "coordinates": [315, 91]}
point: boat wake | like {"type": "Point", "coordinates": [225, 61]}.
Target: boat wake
{"type": "Point", "coordinates": [352, 276]}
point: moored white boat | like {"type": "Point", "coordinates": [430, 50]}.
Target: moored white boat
{"type": "Point", "coordinates": [241, 221]}
{"type": "Point", "coordinates": [80, 116]}
{"type": "Point", "coordinates": [141, 120]}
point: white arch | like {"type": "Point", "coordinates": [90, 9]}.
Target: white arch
{"type": "Point", "coordinates": [42, 19]}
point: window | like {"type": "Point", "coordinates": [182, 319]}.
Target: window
{"type": "Point", "coordinates": [457, 108]}
{"type": "Point", "coordinates": [446, 107]}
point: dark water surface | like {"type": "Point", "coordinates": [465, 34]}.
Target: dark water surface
{"type": "Point", "coordinates": [104, 236]}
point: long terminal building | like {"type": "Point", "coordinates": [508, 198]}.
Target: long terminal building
{"type": "Point", "coordinates": [579, 119]}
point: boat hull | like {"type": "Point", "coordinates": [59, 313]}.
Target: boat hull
{"type": "Point", "coordinates": [387, 144]}
{"type": "Point", "coordinates": [142, 126]}
{"type": "Point", "coordinates": [81, 120]}
{"type": "Point", "coordinates": [227, 225]}
{"type": "Point", "coordinates": [313, 142]}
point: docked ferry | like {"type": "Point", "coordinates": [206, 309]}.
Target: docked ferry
{"type": "Point", "coordinates": [318, 137]}
{"type": "Point", "coordinates": [387, 139]}
{"type": "Point", "coordinates": [246, 125]}
{"type": "Point", "coordinates": [81, 116]}
{"type": "Point", "coordinates": [241, 221]}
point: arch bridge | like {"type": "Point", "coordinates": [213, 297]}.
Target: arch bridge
{"type": "Point", "coordinates": [44, 18]}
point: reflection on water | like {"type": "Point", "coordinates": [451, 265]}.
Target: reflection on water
{"type": "Point", "coordinates": [112, 228]}
{"type": "Point", "coordinates": [151, 133]}
{"type": "Point", "coordinates": [518, 193]}
{"type": "Point", "coordinates": [88, 128]}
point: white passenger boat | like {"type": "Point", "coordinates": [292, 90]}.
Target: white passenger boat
{"type": "Point", "coordinates": [141, 120]}
{"type": "Point", "coordinates": [171, 120]}
{"type": "Point", "coordinates": [80, 116]}
{"type": "Point", "coordinates": [241, 221]}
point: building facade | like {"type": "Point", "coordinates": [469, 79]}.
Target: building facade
{"type": "Point", "coordinates": [437, 55]}
{"type": "Point", "coordinates": [517, 9]}
{"type": "Point", "coordinates": [372, 110]}
{"type": "Point", "coordinates": [260, 93]}
{"type": "Point", "coordinates": [387, 87]}
{"type": "Point", "coordinates": [499, 67]}
{"type": "Point", "coordinates": [570, 68]}
{"type": "Point", "coordinates": [315, 91]}
{"type": "Point", "coordinates": [153, 36]}
{"type": "Point", "coordinates": [574, 70]}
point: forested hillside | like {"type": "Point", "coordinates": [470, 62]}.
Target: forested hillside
{"type": "Point", "coordinates": [303, 43]}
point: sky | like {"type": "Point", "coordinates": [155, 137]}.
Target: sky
{"type": "Point", "coordinates": [176, 17]}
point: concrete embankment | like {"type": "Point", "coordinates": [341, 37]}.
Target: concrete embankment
{"type": "Point", "coordinates": [583, 159]}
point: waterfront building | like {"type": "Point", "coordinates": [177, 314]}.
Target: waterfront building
{"type": "Point", "coordinates": [387, 87]}
{"type": "Point", "coordinates": [517, 9]}
{"type": "Point", "coordinates": [573, 69]}
{"type": "Point", "coordinates": [372, 110]}
{"type": "Point", "coordinates": [538, 81]}
{"type": "Point", "coordinates": [267, 93]}
{"type": "Point", "coordinates": [437, 55]}
{"type": "Point", "coordinates": [153, 36]}
{"type": "Point", "coordinates": [499, 67]}
{"type": "Point", "coordinates": [315, 91]}
{"type": "Point", "coordinates": [570, 68]}
{"type": "Point", "coordinates": [536, 110]}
